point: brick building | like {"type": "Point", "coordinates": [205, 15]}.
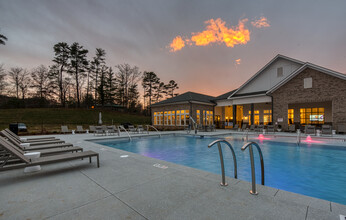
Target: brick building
{"type": "Point", "coordinates": [285, 91]}
{"type": "Point", "coordinates": [175, 113]}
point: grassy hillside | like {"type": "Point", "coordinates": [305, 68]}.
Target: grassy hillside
{"type": "Point", "coordinates": [49, 120]}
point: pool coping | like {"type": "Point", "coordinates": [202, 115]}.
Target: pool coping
{"type": "Point", "coordinates": [192, 193]}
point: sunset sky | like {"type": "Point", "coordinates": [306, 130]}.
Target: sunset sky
{"type": "Point", "coordinates": [219, 44]}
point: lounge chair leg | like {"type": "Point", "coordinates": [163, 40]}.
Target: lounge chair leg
{"type": "Point", "coordinates": [89, 159]}
{"type": "Point", "coordinates": [98, 162]}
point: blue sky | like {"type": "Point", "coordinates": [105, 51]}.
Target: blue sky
{"type": "Point", "coordinates": [139, 33]}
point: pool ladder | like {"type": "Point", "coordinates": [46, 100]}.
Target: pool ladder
{"type": "Point", "coordinates": [252, 161]}
{"type": "Point", "coordinates": [249, 145]}
{"type": "Point", "coordinates": [218, 142]}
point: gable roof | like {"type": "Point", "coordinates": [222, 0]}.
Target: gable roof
{"type": "Point", "coordinates": [263, 68]}
{"type": "Point", "coordinates": [225, 95]}
{"type": "Point", "coordinates": [302, 68]}
{"type": "Point", "coordinates": [187, 97]}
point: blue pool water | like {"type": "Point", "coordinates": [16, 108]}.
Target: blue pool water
{"type": "Point", "coordinates": [313, 170]}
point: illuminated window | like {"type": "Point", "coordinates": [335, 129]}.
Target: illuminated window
{"type": "Point", "coordinates": [312, 115]}
{"type": "Point", "coordinates": [165, 122]}
{"type": "Point", "coordinates": [256, 117]}
{"type": "Point", "coordinates": [158, 118]}
{"type": "Point", "coordinates": [182, 118]}
{"type": "Point", "coordinates": [290, 115]}
{"type": "Point", "coordinates": [267, 116]}
{"type": "Point", "coordinates": [198, 117]}
{"type": "Point", "coordinates": [173, 117]}
{"type": "Point", "coordinates": [169, 118]}
{"type": "Point", "coordinates": [208, 118]}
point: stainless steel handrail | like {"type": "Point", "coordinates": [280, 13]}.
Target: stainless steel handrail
{"type": "Point", "coordinates": [194, 124]}
{"type": "Point", "coordinates": [150, 126]}
{"type": "Point", "coordinates": [246, 135]}
{"type": "Point", "coordinates": [250, 144]}
{"type": "Point", "coordinates": [298, 137]}
{"type": "Point", "coordinates": [121, 127]}
{"type": "Point", "coordinates": [223, 183]}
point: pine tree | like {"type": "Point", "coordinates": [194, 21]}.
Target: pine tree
{"type": "Point", "coordinates": [78, 66]}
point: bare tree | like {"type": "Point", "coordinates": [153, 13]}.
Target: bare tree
{"type": "Point", "coordinates": [14, 75]}
{"type": "Point", "coordinates": [24, 82]}
{"type": "Point", "coordinates": [126, 78]}
{"type": "Point", "coordinates": [40, 81]}
{"type": "Point", "coordinates": [2, 78]}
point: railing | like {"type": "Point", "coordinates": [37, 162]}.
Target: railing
{"type": "Point", "coordinates": [121, 127]}
{"type": "Point", "coordinates": [250, 144]}
{"type": "Point", "coordinates": [150, 126]}
{"type": "Point", "coordinates": [218, 142]}
{"type": "Point", "coordinates": [194, 125]}
{"type": "Point", "coordinates": [246, 135]}
{"type": "Point", "coordinates": [298, 137]}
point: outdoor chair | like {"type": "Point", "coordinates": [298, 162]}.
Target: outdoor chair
{"type": "Point", "coordinates": [44, 152]}
{"type": "Point", "coordinates": [235, 127]}
{"type": "Point", "coordinates": [326, 130]}
{"type": "Point", "coordinates": [341, 127]}
{"type": "Point", "coordinates": [259, 128]}
{"type": "Point", "coordinates": [252, 127]}
{"type": "Point", "coordinates": [35, 143]}
{"type": "Point", "coordinates": [292, 128]}
{"type": "Point", "coordinates": [64, 129]}
{"type": "Point", "coordinates": [80, 129]}
{"type": "Point", "coordinates": [243, 128]}
{"type": "Point", "coordinates": [111, 130]}
{"type": "Point", "coordinates": [200, 127]}
{"type": "Point", "coordinates": [92, 129]}
{"type": "Point", "coordinates": [140, 129]}
{"type": "Point", "coordinates": [30, 147]}
{"type": "Point", "coordinates": [271, 128]}
{"type": "Point", "coordinates": [310, 130]}
{"type": "Point", "coordinates": [132, 129]}
{"type": "Point", "coordinates": [29, 140]}
{"type": "Point", "coordinates": [13, 159]}
{"type": "Point", "coordinates": [211, 127]}
{"type": "Point", "coordinates": [99, 130]}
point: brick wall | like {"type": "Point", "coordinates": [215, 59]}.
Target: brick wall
{"type": "Point", "coordinates": [325, 88]}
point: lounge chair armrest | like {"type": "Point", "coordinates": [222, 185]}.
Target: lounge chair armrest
{"type": "Point", "coordinates": [25, 145]}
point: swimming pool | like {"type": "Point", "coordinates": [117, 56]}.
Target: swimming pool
{"type": "Point", "coordinates": [312, 170]}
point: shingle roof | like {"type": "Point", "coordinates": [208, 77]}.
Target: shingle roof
{"type": "Point", "coordinates": [224, 96]}
{"type": "Point", "coordinates": [187, 96]}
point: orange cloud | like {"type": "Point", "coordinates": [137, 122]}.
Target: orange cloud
{"type": "Point", "coordinates": [177, 44]}
{"type": "Point", "coordinates": [215, 32]}
{"type": "Point", "coordinates": [261, 23]}
{"type": "Point", "coordinates": [238, 61]}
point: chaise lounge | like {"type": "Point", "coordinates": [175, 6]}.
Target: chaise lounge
{"type": "Point", "coordinates": [28, 146]}
{"type": "Point", "coordinates": [7, 133]}
{"type": "Point", "coordinates": [44, 152]}
{"type": "Point", "coordinates": [29, 140]}
{"type": "Point", "coordinates": [15, 160]}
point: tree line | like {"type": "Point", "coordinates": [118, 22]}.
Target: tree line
{"type": "Point", "coordinates": [75, 80]}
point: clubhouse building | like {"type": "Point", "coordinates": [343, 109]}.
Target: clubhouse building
{"type": "Point", "coordinates": [285, 91]}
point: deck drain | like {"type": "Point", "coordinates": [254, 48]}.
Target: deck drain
{"type": "Point", "coordinates": [160, 166]}
{"type": "Point", "coordinates": [123, 156]}
{"type": "Point", "coordinates": [342, 217]}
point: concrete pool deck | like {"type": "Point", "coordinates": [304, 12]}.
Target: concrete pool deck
{"type": "Point", "coordinates": [138, 187]}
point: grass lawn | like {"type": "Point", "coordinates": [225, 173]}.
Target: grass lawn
{"type": "Point", "coordinates": [49, 120]}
